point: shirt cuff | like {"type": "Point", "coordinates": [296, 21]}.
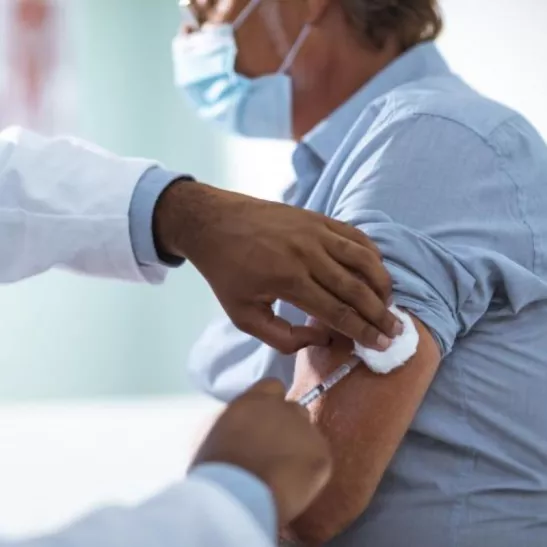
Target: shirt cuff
{"type": "Point", "coordinates": [251, 492]}
{"type": "Point", "coordinates": [141, 216]}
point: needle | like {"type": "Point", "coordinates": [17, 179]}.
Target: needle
{"type": "Point", "coordinates": [338, 375]}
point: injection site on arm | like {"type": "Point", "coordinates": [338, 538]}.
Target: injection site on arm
{"type": "Point", "coordinates": [403, 347]}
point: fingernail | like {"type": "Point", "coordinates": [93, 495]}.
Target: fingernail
{"type": "Point", "coordinates": [383, 341]}
{"type": "Point", "coordinates": [399, 328]}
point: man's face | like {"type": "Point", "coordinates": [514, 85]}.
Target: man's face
{"type": "Point", "coordinates": [267, 34]}
{"type": "Point", "coordinates": [329, 62]}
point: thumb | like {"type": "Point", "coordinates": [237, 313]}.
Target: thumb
{"type": "Point", "coordinates": [262, 323]}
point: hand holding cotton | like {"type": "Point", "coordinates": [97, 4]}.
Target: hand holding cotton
{"type": "Point", "coordinates": [401, 350]}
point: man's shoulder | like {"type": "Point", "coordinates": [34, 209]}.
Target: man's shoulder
{"type": "Point", "coordinates": [445, 98]}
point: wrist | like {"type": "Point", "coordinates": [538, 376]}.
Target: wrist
{"type": "Point", "coordinates": [179, 217]}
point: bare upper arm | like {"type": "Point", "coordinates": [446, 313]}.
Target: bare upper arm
{"type": "Point", "coordinates": [365, 419]}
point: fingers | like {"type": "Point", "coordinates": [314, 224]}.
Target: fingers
{"type": "Point", "coordinates": [334, 312]}
{"type": "Point", "coordinates": [364, 262]}
{"type": "Point", "coordinates": [353, 234]}
{"type": "Point", "coordinates": [361, 302]}
{"type": "Point", "coordinates": [259, 320]}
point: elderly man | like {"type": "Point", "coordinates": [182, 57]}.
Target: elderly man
{"type": "Point", "coordinates": [452, 188]}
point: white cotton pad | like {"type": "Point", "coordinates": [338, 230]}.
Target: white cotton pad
{"type": "Point", "coordinates": [400, 351]}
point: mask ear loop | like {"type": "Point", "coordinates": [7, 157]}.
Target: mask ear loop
{"type": "Point", "coordinates": [244, 13]}
{"type": "Point", "coordinates": [291, 56]}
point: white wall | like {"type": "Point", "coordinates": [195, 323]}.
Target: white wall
{"type": "Point", "coordinates": [61, 461]}
{"type": "Point", "coordinates": [499, 46]}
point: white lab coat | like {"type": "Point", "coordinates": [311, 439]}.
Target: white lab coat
{"type": "Point", "coordinates": [196, 513]}
{"type": "Point", "coordinates": [64, 203]}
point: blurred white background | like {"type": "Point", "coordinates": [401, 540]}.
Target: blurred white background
{"type": "Point", "coordinates": [95, 407]}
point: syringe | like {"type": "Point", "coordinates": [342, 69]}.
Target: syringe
{"type": "Point", "coordinates": [331, 380]}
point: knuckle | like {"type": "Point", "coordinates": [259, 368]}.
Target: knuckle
{"type": "Point", "coordinates": [358, 292]}
{"type": "Point", "coordinates": [282, 348]}
{"type": "Point", "coordinates": [293, 283]}
{"type": "Point", "coordinates": [337, 284]}
{"type": "Point", "coordinates": [343, 246]}
{"type": "Point", "coordinates": [385, 283]}
{"type": "Point", "coordinates": [287, 348]}
{"type": "Point", "coordinates": [371, 246]}
{"type": "Point", "coordinates": [342, 315]}
{"type": "Point", "coordinates": [300, 252]}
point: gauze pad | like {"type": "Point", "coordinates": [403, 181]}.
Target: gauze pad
{"type": "Point", "coordinates": [401, 350]}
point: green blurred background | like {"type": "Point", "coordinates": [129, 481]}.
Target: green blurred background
{"type": "Point", "coordinates": [63, 336]}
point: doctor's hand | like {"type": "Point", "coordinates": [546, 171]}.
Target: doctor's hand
{"type": "Point", "coordinates": [273, 440]}
{"type": "Point", "coordinates": [254, 252]}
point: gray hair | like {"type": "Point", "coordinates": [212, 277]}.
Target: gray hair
{"type": "Point", "coordinates": [409, 21]}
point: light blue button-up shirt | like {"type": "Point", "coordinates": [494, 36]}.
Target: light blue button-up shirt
{"type": "Point", "coordinates": [453, 189]}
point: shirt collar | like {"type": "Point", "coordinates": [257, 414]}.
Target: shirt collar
{"type": "Point", "coordinates": [420, 62]}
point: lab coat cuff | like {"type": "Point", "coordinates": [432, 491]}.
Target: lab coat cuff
{"type": "Point", "coordinates": [249, 491]}
{"type": "Point", "coordinates": [141, 216]}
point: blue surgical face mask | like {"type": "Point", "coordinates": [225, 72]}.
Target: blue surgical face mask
{"type": "Point", "coordinates": [204, 63]}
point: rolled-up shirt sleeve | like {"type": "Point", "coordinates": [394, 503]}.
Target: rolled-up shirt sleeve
{"type": "Point", "coordinates": [445, 214]}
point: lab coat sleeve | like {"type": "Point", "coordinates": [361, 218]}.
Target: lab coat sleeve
{"type": "Point", "coordinates": [141, 216]}
{"type": "Point", "coordinates": [65, 203]}
{"type": "Point", "coordinates": [203, 511]}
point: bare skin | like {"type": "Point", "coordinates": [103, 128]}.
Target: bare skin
{"type": "Point", "coordinates": [364, 419]}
